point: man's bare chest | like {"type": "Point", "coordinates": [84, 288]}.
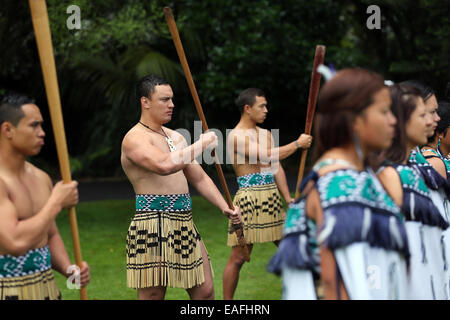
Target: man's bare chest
{"type": "Point", "coordinates": [28, 195]}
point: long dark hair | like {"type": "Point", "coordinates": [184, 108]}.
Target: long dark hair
{"type": "Point", "coordinates": [341, 99]}
{"type": "Point", "coordinates": [404, 102]}
{"type": "Point", "coordinates": [444, 114]}
{"type": "Point", "coordinates": [426, 92]}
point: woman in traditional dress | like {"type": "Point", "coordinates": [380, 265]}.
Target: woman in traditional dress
{"type": "Point", "coordinates": [361, 239]}
{"type": "Point", "coordinates": [406, 185]}
{"type": "Point", "coordinates": [435, 169]}
{"type": "Point", "coordinates": [436, 153]}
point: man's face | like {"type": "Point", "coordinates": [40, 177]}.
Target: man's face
{"type": "Point", "coordinates": [258, 111]}
{"type": "Point", "coordinates": [28, 135]}
{"type": "Point", "coordinates": [160, 104]}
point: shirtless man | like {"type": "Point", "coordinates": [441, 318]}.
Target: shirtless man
{"type": "Point", "coordinates": [30, 244]}
{"type": "Point", "coordinates": [164, 247]}
{"type": "Point", "coordinates": [260, 176]}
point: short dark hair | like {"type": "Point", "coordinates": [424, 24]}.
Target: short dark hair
{"type": "Point", "coordinates": [425, 91]}
{"type": "Point", "coordinates": [146, 86]}
{"type": "Point", "coordinates": [248, 96]}
{"type": "Point", "coordinates": [404, 102]}
{"type": "Point", "coordinates": [11, 107]}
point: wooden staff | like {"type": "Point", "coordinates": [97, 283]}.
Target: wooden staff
{"type": "Point", "coordinates": [187, 72]}
{"type": "Point", "coordinates": [312, 100]}
{"type": "Point", "coordinates": [44, 43]}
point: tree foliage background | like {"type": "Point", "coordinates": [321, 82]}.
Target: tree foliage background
{"type": "Point", "coordinates": [230, 45]}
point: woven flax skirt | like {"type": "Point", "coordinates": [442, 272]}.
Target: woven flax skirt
{"type": "Point", "coordinates": [28, 277]}
{"type": "Point", "coordinates": [261, 208]}
{"type": "Point", "coordinates": [163, 245]}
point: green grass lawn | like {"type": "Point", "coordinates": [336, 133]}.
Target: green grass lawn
{"type": "Point", "coordinates": [103, 227]}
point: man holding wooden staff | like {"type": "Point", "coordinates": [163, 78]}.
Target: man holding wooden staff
{"type": "Point", "coordinates": [164, 247]}
{"type": "Point", "coordinates": [30, 244]}
{"type": "Point", "coordinates": [261, 178]}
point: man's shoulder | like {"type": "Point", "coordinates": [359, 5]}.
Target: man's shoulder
{"type": "Point", "coordinates": [135, 134]}
{"type": "Point", "coordinates": [264, 132]}
{"type": "Point", "coordinates": [262, 129]}
{"type": "Point", "coordinates": [37, 172]}
{"type": "Point", "coordinates": [233, 131]}
{"type": "Point", "coordinates": [238, 131]}
{"type": "Point", "coordinates": [134, 131]}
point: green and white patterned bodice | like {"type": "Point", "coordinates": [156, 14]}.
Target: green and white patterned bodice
{"type": "Point", "coordinates": [411, 178]}
{"type": "Point", "coordinates": [350, 186]}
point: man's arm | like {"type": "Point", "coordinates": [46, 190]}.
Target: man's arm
{"type": "Point", "coordinates": [281, 181]}
{"type": "Point", "coordinates": [242, 145]}
{"type": "Point", "coordinates": [19, 236]}
{"type": "Point", "coordinates": [198, 178]}
{"type": "Point", "coordinates": [280, 175]}
{"type": "Point", "coordinates": [143, 154]}
{"type": "Point", "coordinates": [60, 258]}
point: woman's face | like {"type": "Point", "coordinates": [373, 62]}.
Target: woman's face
{"type": "Point", "coordinates": [419, 124]}
{"type": "Point", "coordinates": [375, 125]}
{"type": "Point", "coordinates": [431, 106]}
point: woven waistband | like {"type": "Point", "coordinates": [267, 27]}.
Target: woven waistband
{"type": "Point", "coordinates": [255, 179]}
{"type": "Point", "coordinates": [160, 202]}
{"type": "Point", "coordinates": [35, 260]}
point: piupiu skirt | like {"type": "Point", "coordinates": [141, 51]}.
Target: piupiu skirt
{"type": "Point", "coordinates": [163, 244]}
{"type": "Point", "coordinates": [261, 207]}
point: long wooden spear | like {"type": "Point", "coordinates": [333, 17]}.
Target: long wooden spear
{"type": "Point", "coordinates": [312, 100]}
{"type": "Point", "coordinates": [41, 27]}
{"type": "Point", "coordinates": [187, 72]}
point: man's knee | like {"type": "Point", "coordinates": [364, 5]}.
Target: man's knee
{"type": "Point", "coordinates": [239, 261]}
{"type": "Point", "coordinates": [203, 292]}
{"type": "Point", "coordinates": [237, 257]}
{"type": "Point", "coordinates": [154, 293]}
{"type": "Point", "coordinates": [208, 292]}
